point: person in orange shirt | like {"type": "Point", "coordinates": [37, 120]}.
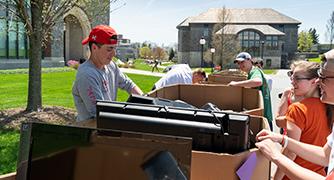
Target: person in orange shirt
{"type": "Point", "coordinates": [306, 120]}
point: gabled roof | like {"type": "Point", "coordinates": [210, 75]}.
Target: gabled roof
{"type": "Point", "coordinates": [236, 28]}
{"type": "Point", "coordinates": [242, 16]}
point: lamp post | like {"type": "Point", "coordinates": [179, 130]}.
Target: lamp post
{"type": "Point", "coordinates": [212, 50]}
{"type": "Point", "coordinates": [262, 48]}
{"type": "Point", "coordinates": [64, 43]}
{"type": "Point", "coordinates": [202, 42]}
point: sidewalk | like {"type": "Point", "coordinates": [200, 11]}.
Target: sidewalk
{"type": "Point", "coordinates": [136, 71]}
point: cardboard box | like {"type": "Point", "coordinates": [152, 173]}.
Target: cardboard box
{"type": "Point", "coordinates": [237, 99]}
{"type": "Point", "coordinates": [224, 79]}
{"type": "Point", "coordinates": [206, 165]}
{"type": "Point", "coordinates": [63, 152]}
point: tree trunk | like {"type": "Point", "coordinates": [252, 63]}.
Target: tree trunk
{"type": "Point", "coordinates": [35, 59]}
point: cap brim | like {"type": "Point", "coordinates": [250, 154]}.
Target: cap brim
{"type": "Point", "coordinates": [85, 41]}
{"type": "Point", "coordinates": [238, 59]}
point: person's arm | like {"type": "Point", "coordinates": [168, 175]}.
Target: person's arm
{"type": "Point", "coordinates": [136, 90]}
{"type": "Point", "coordinates": [294, 132]}
{"type": "Point", "coordinates": [317, 155]}
{"type": "Point", "coordinates": [255, 82]}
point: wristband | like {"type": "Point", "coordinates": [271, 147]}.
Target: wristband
{"type": "Point", "coordinates": [286, 140]}
{"type": "Point", "coordinates": [282, 139]}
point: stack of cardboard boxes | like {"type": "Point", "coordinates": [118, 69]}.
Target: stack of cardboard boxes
{"type": "Point", "coordinates": [208, 165]}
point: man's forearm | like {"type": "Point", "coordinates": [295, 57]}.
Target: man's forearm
{"type": "Point", "coordinates": [137, 90]}
{"type": "Point", "coordinates": [248, 83]}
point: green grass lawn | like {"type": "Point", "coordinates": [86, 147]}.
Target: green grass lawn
{"type": "Point", "coordinates": [315, 59]}
{"type": "Point", "coordinates": [9, 146]}
{"type": "Point", "coordinates": [56, 88]}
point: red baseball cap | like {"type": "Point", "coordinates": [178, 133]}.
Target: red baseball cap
{"type": "Point", "coordinates": [101, 34]}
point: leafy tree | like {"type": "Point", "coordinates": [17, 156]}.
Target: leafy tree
{"type": "Point", "coordinates": [39, 17]}
{"type": "Point", "coordinates": [330, 29]}
{"type": "Point", "coordinates": [145, 52]}
{"type": "Point", "coordinates": [159, 53]}
{"type": "Point", "coordinates": [171, 54]}
{"type": "Point", "coordinates": [314, 35]}
{"type": "Point", "coordinates": [224, 42]}
{"type": "Point", "coordinates": [304, 41]}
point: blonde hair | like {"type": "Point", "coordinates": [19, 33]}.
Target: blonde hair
{"type": "Point", "coordinates": [310, 68]}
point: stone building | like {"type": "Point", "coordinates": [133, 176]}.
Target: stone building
{"type": "Point", "coordinates": [64, 45]}
{"type": "Point", "coordinates": [263, 32]}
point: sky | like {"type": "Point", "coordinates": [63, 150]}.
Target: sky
{"type": "Point", "coordinates": [156, 20]}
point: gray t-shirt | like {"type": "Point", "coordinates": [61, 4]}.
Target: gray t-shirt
{"type": "Point", "coordinates": [93, 84]}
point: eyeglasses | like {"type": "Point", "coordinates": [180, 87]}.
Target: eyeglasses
{"type": "Point", "coordinates": [299, 78]}
{"type": "Point", "coordinates": [296, 78]}
{"type": "Point", "coordinates": [322, 77]}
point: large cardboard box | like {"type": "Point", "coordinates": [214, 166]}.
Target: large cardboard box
{"type": "Point", "coordinates": [61, 152]}
{"type": "Point", "coordinates": [237, 99]}
{"type": "Point", "coordinates": [224, 79]}
{"type": "Point", "coordinates": [215, 166]}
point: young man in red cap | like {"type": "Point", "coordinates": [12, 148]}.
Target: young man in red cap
{"type": "Point", "coordinates": [99, 77]}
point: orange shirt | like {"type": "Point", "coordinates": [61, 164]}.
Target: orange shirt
{"type": "Point", "coordinates": [310, 116]}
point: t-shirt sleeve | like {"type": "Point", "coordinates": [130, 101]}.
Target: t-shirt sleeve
{"type": "Point", "coordinates": [89, 91]}
{"type": "Point", "coordinates": [296, 115]}
{"type": "Point", "coordinates": [255, 74]}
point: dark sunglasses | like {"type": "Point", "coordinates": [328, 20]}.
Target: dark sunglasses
{"type": "Point", "coordinates": [289, 73]}
{"type": "Point", "coordinates": [322, 77]}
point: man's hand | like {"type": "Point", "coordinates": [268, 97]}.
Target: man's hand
{"type": "Point", "coordinates": [232, 83]}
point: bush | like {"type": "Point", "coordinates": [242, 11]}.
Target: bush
{"type": "Point", "coordinates": [73, 64]}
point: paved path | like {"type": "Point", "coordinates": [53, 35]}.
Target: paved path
{"type": "Point", "coordinates": [136, 71]}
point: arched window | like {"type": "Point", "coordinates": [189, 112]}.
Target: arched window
{"type": "Point", "coordinates": [13, 39]}
{"type": "Point", "coordinates": [250, 42]}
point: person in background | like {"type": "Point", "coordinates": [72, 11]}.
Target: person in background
{"type": "Point", "coordinates": [323, 156]}
{"type": "Point", "coordinates": [259, 63]}
{"type": "Point", "coordinates": [180, 74]}
{"type": "Point", "coordinates": [306, 120]}
{"type": "Point", "coordinates": [256, 80]}
{"type": "Point", "coordinates": [98, 78]}
{"type": "Point", "coordinates": [287, 98]}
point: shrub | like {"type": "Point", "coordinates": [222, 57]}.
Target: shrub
{"type": "Point", "coordinates": [73, 64]}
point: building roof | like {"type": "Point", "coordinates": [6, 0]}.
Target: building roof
{"type": "Point", "coordinates": [241, 16]}
{"type": "Point", "coordinates": [236, 28]}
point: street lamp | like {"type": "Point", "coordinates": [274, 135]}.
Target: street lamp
{"type": "Point", "coordinates": [212, 50]}
{"type": "Point", "coordinates": [202, 42]}
{"type": "Point", "coordinates": [262, 48]}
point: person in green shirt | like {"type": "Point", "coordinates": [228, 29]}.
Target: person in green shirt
{"type": "Point", "coordinates": [256, 80]}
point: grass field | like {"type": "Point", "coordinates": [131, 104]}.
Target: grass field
{"type": "Point", "coordinates": [9, 144]}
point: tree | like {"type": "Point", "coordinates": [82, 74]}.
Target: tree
{"type": "Point", "coordinates": [145, 52]}
{"type": "Point", "coordinates": [39, 17]}
{"type": "Point", "coordinates": [304, 41]}
{"type": "Point", "coordinates": [314, 35]}
{"type": "Point", "coordinates": [224, 42]}
{"type": "Point", "coordinates": [171, 54]}
{"type": "Point", "coordinates": [159, 53]}
{"type": "Point", "coordinates": [330, 29]}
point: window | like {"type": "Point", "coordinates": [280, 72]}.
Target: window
{"type": "Point", "coordinates": [13, 39]}
{"type": "Point", "coordinates": [206, 30]}
{"type": "Point", "coordinates": [3, 38]}
{"type": "Point", "coordinates": [250, 42]}
{"type": "Point", "coordinates": [272, 42]}
{"type": "Point", "coordinates": [22, 41]}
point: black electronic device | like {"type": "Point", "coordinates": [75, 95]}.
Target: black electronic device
{"type": "Point", "coordinates": [211, 131]}
{"type": "Point", "coordinates": [133, 98]}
